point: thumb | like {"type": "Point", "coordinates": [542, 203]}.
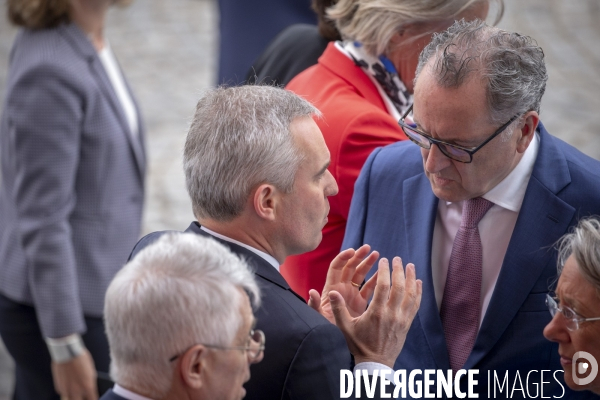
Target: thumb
{"type": "Point", "coordinates": [340, 311]}
{"type": "Point", "coordinates": [314, 300]}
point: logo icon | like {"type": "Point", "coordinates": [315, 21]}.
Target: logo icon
{"type": "Point", "coordinates": [589, 363]}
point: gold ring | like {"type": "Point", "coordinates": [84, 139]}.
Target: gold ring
{"type": "Point", "coordinates": [355, 284]}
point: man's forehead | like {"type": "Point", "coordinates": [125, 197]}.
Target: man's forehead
{"type": "Point", "coordinates": [469, 95]}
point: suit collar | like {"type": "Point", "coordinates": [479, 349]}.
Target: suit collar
{"type": "Point", "coordinates": [267, 257]}
{"type": "Point", "coordinates": [543, 219]}
{"type": "Point", "coordinates": [79, 41]}
{"type": "Point", "coordinates": [261, 267]}
{"type": "Point", "coordinates": [119, 392]}
{"type": "Point", "coordinates": [339, 64]}
{"type": "Point", "coordinates": [550, 168]}
{"type": "Point", "coordinates": [420, 210]}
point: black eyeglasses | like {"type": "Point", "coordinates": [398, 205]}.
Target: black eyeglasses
{"type": "Point", "coordinates": [452, 151]}
{"type": "Point", "coordinates": [254, 348]}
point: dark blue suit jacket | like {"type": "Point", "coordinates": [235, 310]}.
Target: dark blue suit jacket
{"type": "Point", "coordinates": [304, 352]}
{"type": "Point", "coordinates": [110, 395]}
{"type": "Point", "coordinates": [394, 210]}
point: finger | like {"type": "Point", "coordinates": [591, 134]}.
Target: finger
{"type": "Point", "coordinates": [364, 267]}
{"type": "Point", "coordinates": [419, 295]}
{"type": "Point", "coordinates": [398, 284]}
{"type": "Point", "coordinates": [340, 311]}
{"type": "Point", "coordinates": [382, 289]}
{"type": "Point", "coordinates": [92, 393]}
{"type": "Point", "coordinates": [409, 302]}
{"type": "Point", "coordinates": [334, 274]}
{"type": "Point", "coordinates": [314, 300]}
{"type": "Point", "coordinates": [350, 267]}
{"type": "Point", "coordinates": [366, 291]}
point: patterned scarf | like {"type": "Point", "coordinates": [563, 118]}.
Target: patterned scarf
{"type": "Point", "coordinates": [382, 71]}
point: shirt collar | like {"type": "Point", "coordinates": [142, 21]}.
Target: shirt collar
{"type": "Point", "coordinates": [128, 394]}
{"type": "Point", "coordinates": [510, 192]}
{"type": "Point", "coordinates": [267, 257]}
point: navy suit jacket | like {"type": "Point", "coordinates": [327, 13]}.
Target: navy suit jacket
{"type": "Point", "coordinates": [394, 210]}
{"type": "Point", "coordinates": [110, 395]}
{"type": "Point", "coordinates": [304, 352]}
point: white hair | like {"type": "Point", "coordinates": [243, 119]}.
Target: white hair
{"type": "Point", "coordinates": [374, 22]}
{"type": "Point", "coordinates": [179, 291]}
{"type": "Point", "coordinates": [240, 138]}
{"type": "Point", "coordinates": [583, 242]}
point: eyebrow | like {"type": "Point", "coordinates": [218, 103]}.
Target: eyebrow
{"type": "Point", "coordinates": [322, 170]}
{"type": "Point", "coordinates": [452, 141]}
{"type": "Point", "coordinates": [570, 302]}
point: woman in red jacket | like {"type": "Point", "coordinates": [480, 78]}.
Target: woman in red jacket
{"type": "Point", "coordinates": [363, 84]}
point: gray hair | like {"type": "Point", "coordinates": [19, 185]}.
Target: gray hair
{"type": "Point", "coordinates": [511, 65]}
{"type": "Point", "coordinates": [240, 138]}
{"type": "Point", "coordinates": [374, 22]}
{"type": "Point", "coordinates": [584, 244]}
{"type": "Point", "coordinates": [179, 291]}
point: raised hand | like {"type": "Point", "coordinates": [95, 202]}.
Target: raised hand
{"type": "Point", "coordinates": [346, 272]}
{"type": "Point", "coordinates": [378, 334]}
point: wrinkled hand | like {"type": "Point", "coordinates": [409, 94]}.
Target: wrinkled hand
{"type": "Point", "coordinates": [347, 267]}
{"type": "Point", "coordinates": [76, 379]}
{"type": "Point", "coordinates": [378, 335]}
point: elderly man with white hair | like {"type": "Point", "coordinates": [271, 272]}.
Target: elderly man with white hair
{"type": "Point", "coordinates": [180, 324]}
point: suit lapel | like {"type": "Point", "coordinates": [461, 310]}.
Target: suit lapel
{"type": "Point", "coordinates": [543, 219]}
{"type": "Point", "coordinates": [78, 40]}
{"type": "Point", "coordinates": [339, 64]}
{"type": "Point", "coordinates": [261, 266]}
{"type": "Point", "coordinates": [420, 210]}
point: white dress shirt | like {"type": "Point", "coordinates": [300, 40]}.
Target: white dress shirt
{"type": "Point", "coordinates": [368, 366]}
{"type": "Point", "coordinates": [116, 79]}
{"type": "Point", "coordinates": [495, 228]}
{"type": "Point", "coordinates": [128, 394]}
{"type": "Point", "coordinates": [267, 257]}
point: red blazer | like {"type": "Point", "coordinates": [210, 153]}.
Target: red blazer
{"type": "Point", "coordinates": [355, 122]}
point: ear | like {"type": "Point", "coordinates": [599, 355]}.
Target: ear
{"type": "Point", "coordinates": [526, 132]}
{"type": "Point", "coordinates": [265, 201]}
{"type": "Point", "coordinates": [193, 367]}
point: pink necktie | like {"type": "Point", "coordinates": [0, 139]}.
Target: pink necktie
{"type": "Point", "coordinates": [460, 311]}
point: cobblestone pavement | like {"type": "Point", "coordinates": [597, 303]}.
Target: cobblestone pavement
{"type": "Point", "coordinates": [168, 51]}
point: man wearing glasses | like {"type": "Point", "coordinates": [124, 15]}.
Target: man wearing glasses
{"type": "Point", "coordinates": [477, 207]}
{"type": "Point", "coordinates": [179, 322]}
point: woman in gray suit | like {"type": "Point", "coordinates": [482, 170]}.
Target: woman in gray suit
{"type": "Point", "coordinates": [71, 194]}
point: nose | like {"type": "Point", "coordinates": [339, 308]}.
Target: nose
{"type": "Point", "coordinates": [556, 330]}
{"type": "Point", "coordinates": [435, 160]}
{"type": "Point", "coordinates": [331, 186]}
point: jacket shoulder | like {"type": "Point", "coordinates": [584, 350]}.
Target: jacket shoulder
{"type": "Point", "coordinates": [402, 159]}
{"type": "Point", "coordinates": [579, 162]}
{"type": "Point", "coordinates": [145, 242]}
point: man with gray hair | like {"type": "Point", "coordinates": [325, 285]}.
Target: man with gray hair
{"type": "Point", "coordinates": [256, 171]}
{"type": "Point", "coordinates": [179, 322]}
{"type": "Point", "coordinates": [477, 208]}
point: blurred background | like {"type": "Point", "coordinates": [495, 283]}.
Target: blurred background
{"type": "Point", "coordinates": [169, 52]}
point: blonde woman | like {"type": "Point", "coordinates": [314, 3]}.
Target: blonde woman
{"type": "Point", "coordinates": [71, 194]}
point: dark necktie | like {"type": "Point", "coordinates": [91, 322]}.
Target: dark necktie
{"type": "Point", "coordinates": [460, 310]}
